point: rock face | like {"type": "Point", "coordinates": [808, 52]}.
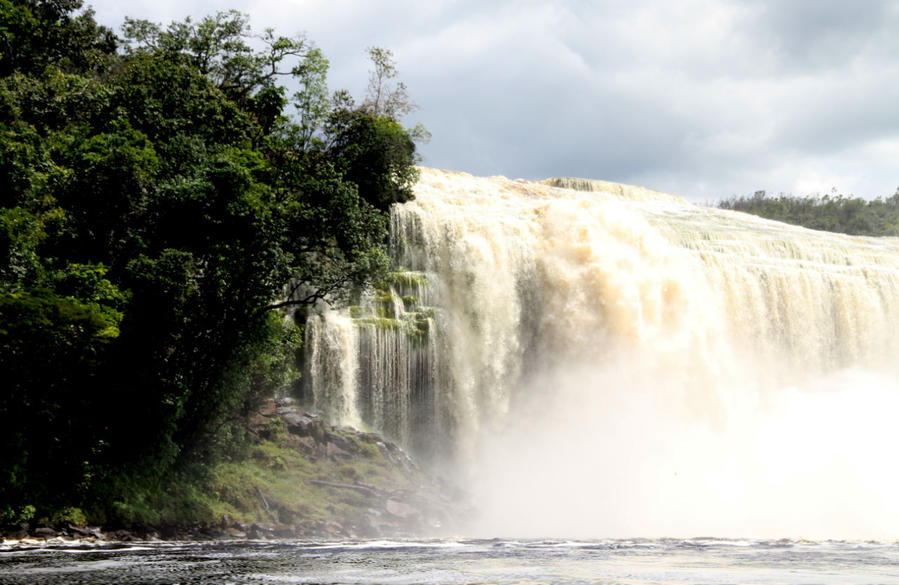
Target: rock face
{"type": "Point", "coordinates": [381, 489]}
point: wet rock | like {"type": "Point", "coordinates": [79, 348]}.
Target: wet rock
{"type": "Point", "coordinates": [344, 443]}
{"type": "Point", "coordinates": [45, 532]}
{"type": "Point", "coordinates": [293, 442]}
{"type": "Point", "coordinates": [95, 532]}
{"type": "Point", "coordinates": [285, 403]}
{"type": "Point", "coordinates": [78, 531]}
{"type": "Point", "coordinates": [263, 530]}
{"type": "Point", "coordinates": [293, 421]}
{"type": "Point", "coordinates": [302, 424]}
{"type": "Point", "coordinates": [123, 535]}
{"type": "Point", "coordinates": [256, 422]}
{"type": "Point", "coordinates": [268, 408]}
{"type": "Point", "coordinates": [401, 509]}
{"type": "Point", "coordinates": [305, 445]}
{"type": "Point", "coordinates": [234, 533]}
{"type": "Point", "coordinates": [332, 451]}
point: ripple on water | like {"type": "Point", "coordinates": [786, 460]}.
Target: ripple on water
{"type": "Point", "coordinates": [454, 562]}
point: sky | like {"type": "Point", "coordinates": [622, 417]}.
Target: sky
{"type": "Point", "coordinates": [704, 98]}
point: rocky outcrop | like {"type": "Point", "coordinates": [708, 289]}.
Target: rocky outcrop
{"type": "Point", "coordinates": [350, 484]}
{"type": "Point", "coordinates": [415, 503]}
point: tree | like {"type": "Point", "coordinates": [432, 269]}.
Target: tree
{"type": "Point", "coordinates": [375, 153]}
{"type": "Point", "coordinates": [38, 33]}
{"type": "Point", "coordinates": [160, 215]}
{"type": "Point", "coordinates": [386, 97]}
{"type": "Point", "coordinates": [832, 212]}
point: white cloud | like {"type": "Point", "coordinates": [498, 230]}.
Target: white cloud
{"type": "Point", "coordinates": [707, 98]}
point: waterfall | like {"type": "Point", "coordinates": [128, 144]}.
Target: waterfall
{"type": "Point", "coordinates": [578, 323]}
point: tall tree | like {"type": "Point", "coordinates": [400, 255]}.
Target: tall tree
{"type": "Point", "coordinates": [160, 210]}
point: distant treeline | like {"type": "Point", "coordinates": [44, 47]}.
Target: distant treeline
{"type": "Point", "coordinates": [833, 213]}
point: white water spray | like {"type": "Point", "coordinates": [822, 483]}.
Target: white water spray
{"type": "Point", "coordinates": [605, 360]}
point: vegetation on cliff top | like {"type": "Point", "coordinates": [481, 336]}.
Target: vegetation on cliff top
{"type": "Point", "coordinates": [163, 201]}
{"type": "Point", "coordinates": [833, 213]}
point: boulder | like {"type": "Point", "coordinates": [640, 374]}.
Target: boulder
{"type": "Point", "coordinates": [123, 535]}
{"type": "Point", "coordinates": [45, 532]}
{"type": "Point", "coordinates": [95, 532]}
{"type": "Point", "coordinates": [256, 422]}
{"type": "Point", "coordinates": [305, 445]}
{"type": "Point", "coordinates": [263, 530]}
{"type": "Point", "coordinates": [268, 408]}
{"type": "Point", "coordinates": [332, 451]}
{"type": "Point", "coordinates": [302, 424]}
{"type": "Point", "coordinates": [345, 443]}
{"type": "Point", "coordinates": [78, 531]}
{"type": "Point", "coordinates": [234, 533]}
{"type": "Point", "coordinates": [286, 403]}
{"type": "Point", "coordinates": [401, 509]}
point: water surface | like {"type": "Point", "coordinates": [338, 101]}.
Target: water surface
{"type": "Point", "coordinates": [621, 562]}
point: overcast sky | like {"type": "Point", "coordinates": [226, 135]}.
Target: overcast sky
{"type": "Point", "coordinates": [704, 98]}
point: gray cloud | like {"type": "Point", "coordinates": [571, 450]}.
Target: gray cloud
{"type": "Point", "coordinates": [707, 98]}
{"type": "Point", "coordinates": [823, 34]}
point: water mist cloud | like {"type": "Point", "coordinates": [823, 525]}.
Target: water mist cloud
{"type": "Point", "coordinates": [606, 455]}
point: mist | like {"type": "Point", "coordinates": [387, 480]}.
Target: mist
{"type": "Point", "coordinates": [604, 452]}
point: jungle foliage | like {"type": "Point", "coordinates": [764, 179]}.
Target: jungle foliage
{"type": "Point", "coordinates": [833, 212]}
{"type": "Point", "coordinates": [165, 209]}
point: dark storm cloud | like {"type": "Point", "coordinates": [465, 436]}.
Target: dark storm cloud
{"type": "Point", "coordinates": [703, 97]}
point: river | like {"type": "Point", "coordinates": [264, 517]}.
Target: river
{"type": "Point", "coordinates": [620, 562]}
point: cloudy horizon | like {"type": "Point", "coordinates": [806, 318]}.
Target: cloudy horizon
{"type": "Point", "coordinates": [703, 98]}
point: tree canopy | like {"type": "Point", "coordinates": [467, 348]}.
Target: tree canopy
{"type": "Point", "coordinates": [163, 202]}
{"type": "Point", "coordinates": [832, 212]}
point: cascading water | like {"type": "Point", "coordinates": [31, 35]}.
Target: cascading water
{"type": "Point", "coordinates": [593, 359]}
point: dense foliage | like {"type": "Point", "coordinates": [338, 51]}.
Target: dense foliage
{"type": "Point", "coordinates": [833, 213]}
{"type": "Point", "coordinates": [163, 202]}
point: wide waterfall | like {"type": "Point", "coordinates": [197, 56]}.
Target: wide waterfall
{"type": "Point", "coordinates": [593, 359]}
